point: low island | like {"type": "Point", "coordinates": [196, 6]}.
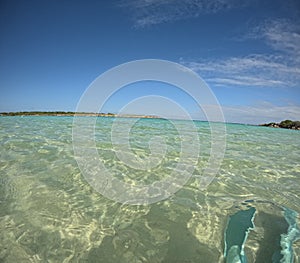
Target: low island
{"type": "Point", "coordinates": [71, 113]}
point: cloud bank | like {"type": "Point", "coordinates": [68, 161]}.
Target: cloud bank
{"type": "Point", "coordinates": [253, 70]}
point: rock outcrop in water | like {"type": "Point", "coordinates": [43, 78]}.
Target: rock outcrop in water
{"type": "Point", "coordinates": [287, 124]}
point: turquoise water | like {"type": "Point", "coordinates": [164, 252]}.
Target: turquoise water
{"type": "Point", "coordinates": [49, 213]}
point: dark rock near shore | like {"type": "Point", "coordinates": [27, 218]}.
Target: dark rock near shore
{"type": "Point", "coordinates": [287, 124]}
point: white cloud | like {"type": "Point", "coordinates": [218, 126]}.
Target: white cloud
{"type": "Point", "coordinates": [261, 114]}
{"type": "Point", "coordinates": [265, 112]}
{"type": "Point", "coordinates": [151, 12]}
{"type": "Point", "coordinates": [282, 35]}
{"type": "Point", "coordinates": [253, 70]}
{"type": "Point", "coordinates": [246, 81]}
{"type": "Point", "coordinates": [282, 69]}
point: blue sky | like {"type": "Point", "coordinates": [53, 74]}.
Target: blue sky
{"type": "Point", "coordinates": [247, 51]}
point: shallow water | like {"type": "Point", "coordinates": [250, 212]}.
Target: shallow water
{"type": "Point", "coordinates": [49, 213]}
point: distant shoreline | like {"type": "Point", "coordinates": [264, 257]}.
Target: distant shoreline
{"type": "Point", "coordinates": [286, 124]}
{"type": "Point", "coordinates": [71, 114]}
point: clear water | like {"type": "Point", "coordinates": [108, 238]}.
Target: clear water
{"type": "Point", "coordinates": [49, 213]}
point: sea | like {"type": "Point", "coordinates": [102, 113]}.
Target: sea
{"type": "Point", "coordinates": [50, 211]}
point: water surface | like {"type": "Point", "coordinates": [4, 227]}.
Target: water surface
{"type": "Point", "coordinates": [49, 213]}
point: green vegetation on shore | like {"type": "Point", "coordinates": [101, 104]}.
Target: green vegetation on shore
{"type": "Point", "coordinates": [53, 113]}
{"type": "Point", "coordinates": [287, 124]}
{"type": "Point", "coordinates": [71, 113]}
{"type": "Point", "coordinates": [33, 113]}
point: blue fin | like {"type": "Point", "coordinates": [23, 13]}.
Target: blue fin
{"type": "Point", "coordinates": [292, 235]}
{"type": "Point", "coordinates": [236, 235]}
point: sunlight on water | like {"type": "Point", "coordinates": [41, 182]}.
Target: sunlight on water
{"type": "Point", "coordinates": [49, 213]}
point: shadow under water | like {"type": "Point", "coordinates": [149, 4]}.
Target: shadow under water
{"type": "Point", "coordinates": [169, 241]}
{"type": "Point", "coordinates": [269, 245]}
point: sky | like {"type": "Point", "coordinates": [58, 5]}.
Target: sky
{"type": "Point", "coordinates": [247, 51]}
